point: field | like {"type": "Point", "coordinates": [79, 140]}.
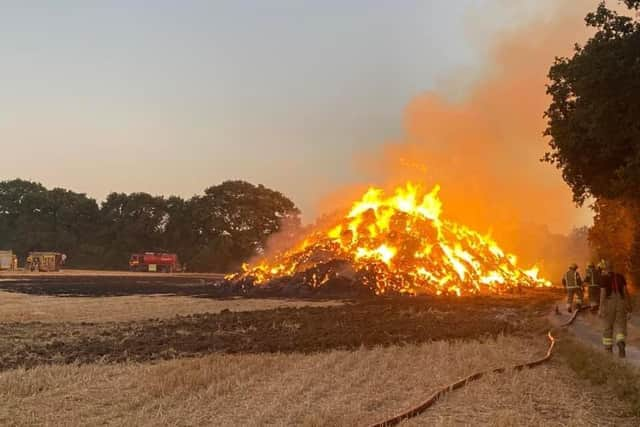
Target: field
{"type": "Point", "coordinates": [147, 350]}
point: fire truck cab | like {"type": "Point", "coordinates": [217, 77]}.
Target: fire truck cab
{"type": "Point", "coordinates": [154, 261]}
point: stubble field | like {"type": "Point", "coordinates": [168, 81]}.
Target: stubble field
{"type": "Point", "coordinates": [142, 350]}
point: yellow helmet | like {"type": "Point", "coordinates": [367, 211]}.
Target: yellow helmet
{"type": "Point", "coordinates": [573, 266]}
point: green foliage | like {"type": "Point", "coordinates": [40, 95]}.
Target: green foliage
{"type": "Point", "coordinates": [615, 234]}
{"type": "Point", "coordinates": [130, 223]}
{"type": "Point", "coordinates": [593, 123]}
{"type": "Point", "coordinates": [593, 116]}
{"type": "Point", "coordinates": [217, 231]}
{"type": "Point", "coordinates": [236, 218]}
{"type": "Point", "coordinates": [34, 218]}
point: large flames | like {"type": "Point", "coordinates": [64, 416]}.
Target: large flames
{"type": "Point", "coordinates": [400, 243]}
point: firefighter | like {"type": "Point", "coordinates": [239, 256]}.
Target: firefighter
{"type": "Point", "coordinates": [572, 282]}
{"type": "Point", "coordinates": [29, 263]}
{"type": "Point", "coordinates": [614, 309]}
{"type": "Point", "coordinates": [593, 278]}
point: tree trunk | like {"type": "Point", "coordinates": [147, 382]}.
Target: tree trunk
{"type": "Point", "coordinates": [634, 252]}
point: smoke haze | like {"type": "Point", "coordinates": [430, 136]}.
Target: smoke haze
{"type": "Point", "coordinates": [485, 148]}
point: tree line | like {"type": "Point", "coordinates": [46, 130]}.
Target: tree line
{"type": "Point", "coordinates": [214, 231]}
{"type": "Point", "coordinates": [594, 129]}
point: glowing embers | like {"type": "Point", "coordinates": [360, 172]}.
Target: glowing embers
{"type": "Point", "coordinates": [399, 243]}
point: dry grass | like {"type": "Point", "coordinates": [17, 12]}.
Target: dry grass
{"type": "Point", "coordinates": [334, 388]}
{"type": "Point", "coordinates": [544, 396]}
{"type": "Point", "coordinates": [621, 379]}
{"type": "Point", "coordinates": [16, 307]}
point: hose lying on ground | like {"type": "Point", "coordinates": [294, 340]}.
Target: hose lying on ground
{"type": "Point", "coordinates": [414, 412]}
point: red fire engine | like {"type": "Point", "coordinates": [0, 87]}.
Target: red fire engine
{"type": "Point", "coordinates": [154, 261]}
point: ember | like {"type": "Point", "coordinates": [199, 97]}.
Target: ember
{"type": "Point", "coordinates": [397, 244]}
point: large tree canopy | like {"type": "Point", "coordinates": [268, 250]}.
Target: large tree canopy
{"type": "Point", "coordinates": [594, 115]}
{"type": "Point", "coordinates": [236, 218]}
{"type": "Point", "coordinates": [131, 223]}
{"type": "Point", "coordinates": [594, 124]}
{"type": "Point", "coordinates": [32, 217]}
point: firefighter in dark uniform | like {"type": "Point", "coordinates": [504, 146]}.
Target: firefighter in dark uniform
{"type": "Point", "coordinates": [615, 309]}
{"type": "Point", "coordinates": [593, 279]}
{"type": "Point", "coordinates": [572, 283]}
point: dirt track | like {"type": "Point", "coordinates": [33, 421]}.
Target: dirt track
{"type": "Point", "coordinates": [364, 322]}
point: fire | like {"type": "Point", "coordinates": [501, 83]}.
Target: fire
{"type": "Point", "coordinates": [400, 244]}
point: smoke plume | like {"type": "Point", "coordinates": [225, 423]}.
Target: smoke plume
{"type": "Point", "coordinates": [485, 150]}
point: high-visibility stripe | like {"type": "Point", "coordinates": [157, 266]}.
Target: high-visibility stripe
{"type": "Point", "coordinates": [620, 337]}
{"type": "Point", "coordinates": [571, 284]}
{"type": "Point", "coordinates": [607, 341]}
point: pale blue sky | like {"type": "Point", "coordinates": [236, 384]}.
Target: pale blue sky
{"type": "Point", "coordinates": [170, 97]}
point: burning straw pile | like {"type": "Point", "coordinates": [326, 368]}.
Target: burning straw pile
{"type": "Point", "coordinates": [391, 244]}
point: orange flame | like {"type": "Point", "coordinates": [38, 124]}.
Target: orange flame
{"type": "Point", "coordinates": [400, 243]}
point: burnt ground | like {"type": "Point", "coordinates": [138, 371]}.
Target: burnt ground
{"type": "Point", "coordinates": [196, 286]}
{"type": "Point", "coordinates": [109, 286]}
{"type": "Point", "coordinates": [366, 321]}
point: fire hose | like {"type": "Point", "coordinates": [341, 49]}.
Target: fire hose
{"type": "Point", "coordinates": [414, 412]}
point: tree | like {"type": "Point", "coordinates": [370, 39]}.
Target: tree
{"type": "Point", "coordinates": [612, 232]}
{"type": "Point", "coordinates": [131, 223]}
{"type": "Point", "coordinates": [594, 129]}
{"type": "Point", "coordinates": [233, 221]}
{"type": "Point", "coordinates": [72, 218]}
{"type": "Point", "coordinates": [180, 233]}
{"type": "Point", "coordinates": [20, 203]}
{"type": "Point", "coordinates": [217, 231]}
{"type": "Point", "coordinates": [593, 120]}
{"type": "Point", "coordinates": [34, 218]}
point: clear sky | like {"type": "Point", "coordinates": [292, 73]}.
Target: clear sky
{"type": "Point", "coordinates": [170, 97]}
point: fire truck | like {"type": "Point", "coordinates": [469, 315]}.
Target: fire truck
{"type": "Point", "coordinates": [154, 261]}
{"type": "Point", "coordinates": [45, 261]}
